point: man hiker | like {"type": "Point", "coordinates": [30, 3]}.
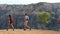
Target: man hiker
{"type": "Point", "coordinates": [10, 22]}
{"type": "Point", "coordinates": [26, 20]}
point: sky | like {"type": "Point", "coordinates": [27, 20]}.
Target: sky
{"type": "Point", "coordinates": [27, 1]}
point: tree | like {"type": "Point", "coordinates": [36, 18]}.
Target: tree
{"type": "Point", "coordinates": [43, 16]}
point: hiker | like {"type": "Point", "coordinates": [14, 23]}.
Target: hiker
{"type": "Point", "coordinates": [10, 22]}
{"type": "Point", "coordinates": [26, 20]}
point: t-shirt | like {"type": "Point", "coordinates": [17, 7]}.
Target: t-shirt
{"type": "Point", "coordinates": [11, 20]}
{"type": "Point", "coordinates": [27, 17]}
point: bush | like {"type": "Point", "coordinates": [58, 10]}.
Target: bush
{"type": "Point", "coordinates": [43, 16]}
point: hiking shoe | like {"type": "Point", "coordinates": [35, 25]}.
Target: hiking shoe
{"type": "Point", "coordinates": [30, 28]}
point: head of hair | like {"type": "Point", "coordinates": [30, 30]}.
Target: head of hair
{"type": "Point", "coordinates": [9, 15]}
{"type": "Point", "coordinates": [25, 13]}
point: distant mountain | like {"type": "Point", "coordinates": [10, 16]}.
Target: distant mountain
{"type": "Point", "coordinates": [21, 9]}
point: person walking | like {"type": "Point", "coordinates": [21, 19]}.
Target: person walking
{"type": "Point", "coordinates": [26, 20]}
{"type": "Point", "coordinates": [10, 22]}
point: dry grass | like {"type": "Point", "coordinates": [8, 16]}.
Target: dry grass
{"type": "Point", "coordinates": [33, 31]}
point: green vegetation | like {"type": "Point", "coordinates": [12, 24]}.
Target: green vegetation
{"type": "Point", "coordinates": [43, 16]}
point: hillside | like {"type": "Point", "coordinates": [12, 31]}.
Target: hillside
{"type": "Point", "coordinates": [18, 11]}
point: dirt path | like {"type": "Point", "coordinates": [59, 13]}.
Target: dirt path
{"type": "Point", "coordinates": [20, 31]}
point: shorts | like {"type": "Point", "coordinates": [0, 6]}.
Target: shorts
{"type": "Point", "coordinates": [25, 20]}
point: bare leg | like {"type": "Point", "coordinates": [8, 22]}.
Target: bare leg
{"type": "Point", "coordinates": [12, 27]}
{"type": "Point", "coordinates": [24, 26]}
{"type": "Point", "coordinates": [27, 25]}
{"type": "Point", "coordinates": [8, 27]}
